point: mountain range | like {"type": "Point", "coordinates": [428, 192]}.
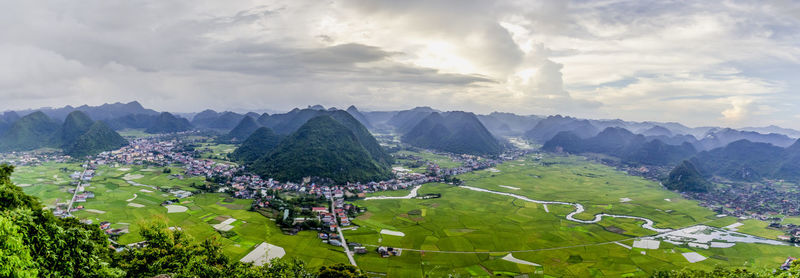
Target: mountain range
{"type": "Point", "coordinates": [621, 143]}
{"type": "Point", "coordinates": [333, 147]}
{"type": "Point", "coordinates": [78, 135]}
{"type": "Point", "coordinates": [456, 132]}
{"type": "Point", "coordinates": [744, 160]}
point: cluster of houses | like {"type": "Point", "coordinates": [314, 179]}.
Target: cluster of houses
{"type": "Point", "coordinates": [80, 180]}
{"type": "Point", "coordinates": [386, 252]}
{"type": "Point", "coordinates": [106, 227]}
{"type": "Point", "coordinates": [143, 151]}
{"type": "Point", "coordinates": [32, 158]}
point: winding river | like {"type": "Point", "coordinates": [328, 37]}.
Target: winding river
{"type": "Point", "coordinates": [648, 224]}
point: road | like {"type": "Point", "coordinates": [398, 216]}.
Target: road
{"type": "Point", "coordinates": [80, 181]}
{"type": "Point", "coordinates": [341, 236]}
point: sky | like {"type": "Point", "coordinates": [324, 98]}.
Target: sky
{"type": "Point", "coordinates": [723, 63]}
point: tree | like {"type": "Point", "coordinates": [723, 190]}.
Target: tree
{"type": "Point", "coordinates": [15, 257]}
{"type": "Point", "coordinates": [58, 247]}
{"type": "Point", "coordinates": [340, 271]}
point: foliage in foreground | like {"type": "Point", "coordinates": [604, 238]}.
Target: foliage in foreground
{"type": "Point", "coordinates": [34, 243]}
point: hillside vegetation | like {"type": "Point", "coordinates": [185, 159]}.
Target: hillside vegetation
{"type": "Point", "coordinates": [34, 243]}
{"type": "Point", "coordinates": [77, 136]}
{"type": "Point", "coordinates": [325, 148]}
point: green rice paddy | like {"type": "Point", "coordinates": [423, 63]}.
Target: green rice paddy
{"type": "Point", "coordinates": [464, 232]}
{"type": "Point", "coordinates": [492, 225]}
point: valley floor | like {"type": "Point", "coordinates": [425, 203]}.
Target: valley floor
{"type": "Point", "coordinates": [465, 232]}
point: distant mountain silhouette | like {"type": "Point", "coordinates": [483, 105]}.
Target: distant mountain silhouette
{"type": "Point", "coordinates": [243, 130]}
{"type": "Point", "coordinates": [621, 143]}
{"type": "Point", "coordinates": [457, 132]}
{"type": "Point", "coordinates": [360, 117]}
{"type": "Point", "coordinates": [743, 160]}
{"type": "Point", "coordinates": [102, 112]}
{"type": "Point", "coordinates": [379, 119]}
{"type": "Point", "coordinates": [552, 125]}
{"type": "Point", "coordinates": [77, 136]}
{"type": "Point", "coordinates": [204, 118]}
{"type": "Point", "coordinates": [226, 121]}
{"type": "Point", "coordinates": [720, 137]}
{"type": "Point", "coordinates": [657, 131]}
{"type": "Point", "coordinates": [508, 124]}
{"type": "Point", "coordinates": [404, 121]}
{"type": "Point", "coordinates": [168, 123]}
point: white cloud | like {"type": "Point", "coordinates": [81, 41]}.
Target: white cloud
{"type": "Point", "coordinates": [729, 63]}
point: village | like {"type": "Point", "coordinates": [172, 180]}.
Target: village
{"type": "Point", "coordinates": [225, 177]}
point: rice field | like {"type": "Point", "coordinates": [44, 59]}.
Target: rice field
{"type": "Point", "coordinates": [468, 233]}
{"type": "Point", "coordinates": [465, 232]}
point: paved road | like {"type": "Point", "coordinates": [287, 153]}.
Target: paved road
{"type": "Point", "coordinates": [341, 236]}
{"type": "Point", "coordinates": [80, 181]}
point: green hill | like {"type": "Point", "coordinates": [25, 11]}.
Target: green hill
{"type": "Point", "coordinates": [168, 123]}
{"type": "Point", "coordinates": [260, 143]}
{"type": "Point", "coordinates": [242, 131]}
{"type": "Point", "coordinates": [324, 148]}
{"type": "Point", "coordinates": [33, 131]}
{"type": "Point", "coordinates": [97, 139]}
{"type": "Point", "coordinates": [744, 160]}
{"type": "Point", "coordinates": [457, 132]}
{"type": "Point", "coordinates": [686, 178]}
{"type": "Point", "coordinates": [76, 124]}
{"type": "Point", "coordinates": [290, 122]}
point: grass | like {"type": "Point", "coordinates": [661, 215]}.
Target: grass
{"type": "Point", "coordinates": [46, 181]}
{"type": "Point", "coordinates": [112, 193]}
{"type": "Point", "coordinates": [442, 160]}
{"type": "Point", "coordinates": [133, 133]}
{"type": "Point", "coordinates": [219, 151]}
{"type": "Point", "coordinates": [464, 220]}
{"type": "Point", "coordinates": [599, 188]}
{"type": "Point", "coordinates": [759, 228]}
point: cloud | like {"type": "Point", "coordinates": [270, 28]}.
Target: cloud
{"type": "Point", "coordinates": [739, 110]}
{"type": "Point", "coordinates": [727, 63]}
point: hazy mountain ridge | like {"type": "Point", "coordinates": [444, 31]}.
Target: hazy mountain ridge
{"type": "Point", "coordinates": [744, 160]}
{"type": "Point", "coordinates": [102, 112]}
{"type": "Point", "coordinates": [78, 135]}
{"type": "Point", "coordinates": [621, 143]}
{"type": "Point", "coordinates": [508, 124]}
{"type": "Point", "coordinates": [168, 123]}
{"type": "Point", "coordinates": [242, 130]}
{"type": "Point", "coordinates": [456, 131]}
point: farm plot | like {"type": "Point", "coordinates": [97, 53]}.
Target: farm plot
{"type": "Point", "coordinates": [469, 233]}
